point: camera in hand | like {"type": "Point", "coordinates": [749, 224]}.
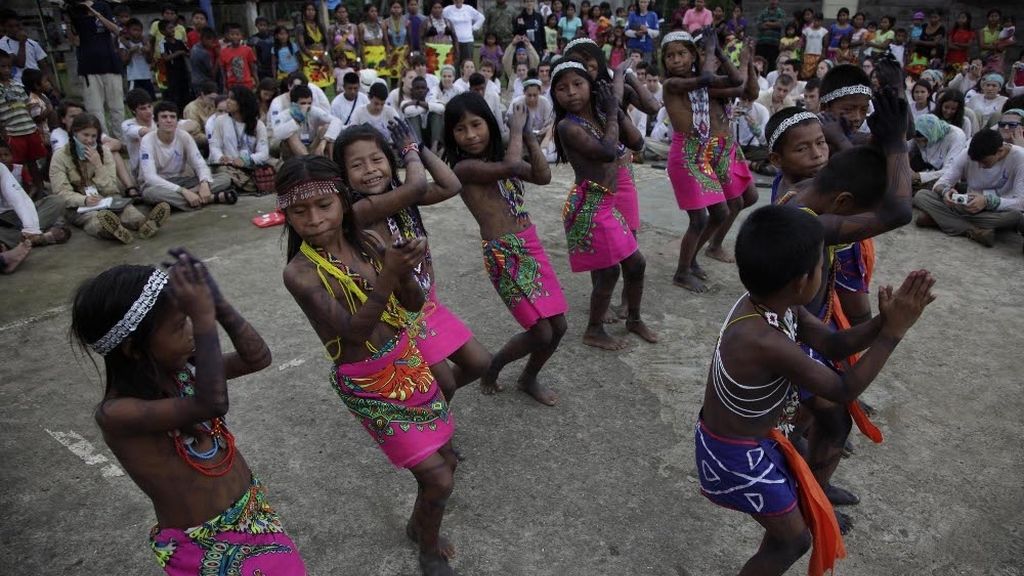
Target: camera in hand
{"type": "Point", "coordinates": [960, 198]}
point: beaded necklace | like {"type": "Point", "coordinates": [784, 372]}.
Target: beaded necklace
{"type": "Point", "coordinates": [700, 109]}
{"type": "Point", "coordinates": [511, 190]}
{"type": "Point", "coordinates": [594, 130]}
{"type": "Point", "coordinates": [220, 437]}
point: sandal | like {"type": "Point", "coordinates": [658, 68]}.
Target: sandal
{"type": "Point", "coordinates": [55, 235]}
{"type": "Point", "coordinates": [228, 196]}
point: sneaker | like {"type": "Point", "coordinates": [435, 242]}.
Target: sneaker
{"type": "Point", "coordinates": [111, 224]}
{"type": "Point", "coordinates": [985, 237]}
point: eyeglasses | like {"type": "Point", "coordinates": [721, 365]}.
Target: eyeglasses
{"type": "Point", "coordinates": [1009, 125]}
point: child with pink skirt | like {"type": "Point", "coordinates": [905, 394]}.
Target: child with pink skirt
{"type": "Point", "coordinates": [391, 208]}
{"type": "Point", "coordinates": [589, 123]}
{"type": "Point", "coordinates": [492, 188]}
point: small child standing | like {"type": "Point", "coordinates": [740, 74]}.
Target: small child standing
{"type": "Point", "coordinates": [789, 44]}
{"type": "Point", "coordinates": [815, 39]}
{"type": "Point", "coordinates": [383, 203]}
{"type": "Point", "coordinates": [363, 300]}
{"type": "Point", "coordinates": [174, 54]}
{"type": "Point", "coordinates": [237, 60]}
{"type": "Point", "coordinates": [162, 414]}
{"type": "Point", "coordinates": [588, 120]}
{"type": "Point", "coordinates": [137, 54]}
{"type": "Point", "coordinates": [514, 258]}
{"type": "Point", "coordinates": [744, 459]}
{"type": "Point", "coordinates": [23, 138]}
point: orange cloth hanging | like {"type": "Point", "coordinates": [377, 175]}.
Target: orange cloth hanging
{"type": "Point", "coordinates": [817, 511]}
{"type": "Point", "coordinates": [860, 418]}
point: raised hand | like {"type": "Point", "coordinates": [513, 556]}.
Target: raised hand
{"type": "Point", "coordinates": [889, 122]}
{"type": "Point", "coordinates": [835, 128]}
{"type": "Point", "coordinates": [190, 290]}
{"type": "Point", "coordinates": [517, 123]}
{"type": "Point", "coordinates": [709, 39]}
{"type": "Point", "coordinates": [606, 100]}
{"type": "Point", "coordinates": [177, 253]}
{"type": "Point", "coordinates": [401, 134]}
{"type": "Point", "coordinates": [900, 310]}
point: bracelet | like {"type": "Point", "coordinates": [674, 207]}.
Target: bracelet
{"type": "Point", "coordinates": [992, 200]}
{"type": "Point", "coordinates": [410, 147]}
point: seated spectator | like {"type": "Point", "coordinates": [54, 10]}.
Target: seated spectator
{"type": "Point", "coordinates": [403, 91]}
{"type": "Point", "coordinates": [238, 140]}
{"type": "Point", "coordinates": [304, 128]}
{"type": "Point", "coordinates": [20, 219]}
{"type": "Point", "coordinates": [1010, 126]}
{"type": "Point", "coordinates": [447, 90]}
{"type": "Point", "coordinates": [265, 95]}
{"type": "Point", "coordinates": [478, 84]}
{"type": "Point", "coordinates": [491, 74]}
{"type": "Point", "coordinates": [779, 96]}
{"type": "Point", "coordinates": [935, 145]}
{"type": "Point", "coordinates": [519, 51]}
{"type": "Point", "coordinates": [468, 68]}
{"type": "Point", "coordinates": [22, 134]}
{"type": "Point", "coordinates": [419, 63]}
{"type": "Point", "coordinates": [172, 170]}
{"type": "Point", "coordinates": [26, 53]}
{"type": "Point", "coordinates": [237, 61]}
{"type": "Point", "coordinates": [751, 117]}
{"type": "Point", "coordinates": [994, 174]}
{"type": "Point", "coordinates": [59, 137]}
{"type": "Point", "coordinates": [220, 108]}
{"type": "Point", "coordinates": [424, 113]}
{"type": "Point", "coordinates": [811, 95]}
{"type": "Point", "coordinates": [345, 104]}
{"type": "Point", "coordinates": [951, 108]}
{"type": "Point", "coordinates": [141, 123]}
{"type": "Point", "coordinates": [279, 106]}
{"type": "Point", "coordinates": [789, 68]}
{"type": "Point", "coordinates": [540, 114]}
{"type": "Point", "coordinates": [657, 144]}
{"type": "Point", "coordinates": [200, 110]}
{"type": "Point", "coordinates": [137, 55]}
{"type": "Point", "coordinates": [375, 112]}
{"type": "Point", "coordinates": [988, 103]}
{"type": "Point", "coordinates": [82, 174]}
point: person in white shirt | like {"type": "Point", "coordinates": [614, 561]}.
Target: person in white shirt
{"type": "Point", "coordinates": [304, 128]}
{"type": "Point", "coordinates": [25, 52]}
{"type": "Point", "coordinates": [447, 90]}
{"type": "Point", "coordinates": [814, 39]}
{"type": "Point", "coordinates": [375, 112]}
{"type": "Point", "coordinates": [478, 84]}
{"type": "Point", "coordinates": [779, 96]}
{"type": "Point", "coordinates": [540, 116]}
{"type": "Point", "coordinates": [141, 123]}
{"type": "Point", "coordinates": [238, 140]}
{"type": "Point", "coordinates": [66, 113]}
{"type": "Point", "coordinates": [934, 146]}
{"type": "Point", "coordinates": [172, 170]}
{"type": "Point", "coordinates": [468, 68]}
{"type": "Point", "coordinates": [657, 144]}
{"type": "Point", "coordinates": [38, 222]}
{"type": "Point", "coordinates": [403, 91]}
{"type": "Point", "coordinates": [137, 54]}
{"type": "Point", "coordinates": [989, 102]}
{"type": "Point", "coordinates": [345, 104]}
{"type": "Point", "coordinates": [490, 73]}
{"type": "Point", "coordinates": [280, 104]}
{"type": "Point", "coordinates": [994, 174]}
{"type": "Point", "coordinates": [419, 63]}
{"type": "Point", "coordinates": [465, 20]}
{"type": "Point", "coordinates": [424, 113]}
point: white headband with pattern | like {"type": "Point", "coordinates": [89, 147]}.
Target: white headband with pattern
{"type": "Point", "coordinates": [786, 125]}
{"type": "Point", "coordinates": [568, 64]}
{"type": "Point", "coordinates": [677, 36]}
{"type": "Point", "coordinates": [845, 91]}
{"type": "Point", "coordinates": [578, 42]}
{"type": "Point", "coordinates": [531, 82]}
{"type": "Point", "coordinates": [134, 316]}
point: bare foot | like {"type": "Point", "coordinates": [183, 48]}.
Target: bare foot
{"type": "Point", "coordinates": [435, 565]}
{"type": "Point", "coordinates": [840, 496]}
{"type": "Point", "coordinates": [15, 256]}
{"type": "Point", "coordinates": [540, 393]}
{"type": "Point", "coordinates": [697, 270]}
{"type": "Point", "coordinates": [720, 254]}
{"type": "Point", "coordinates": [690, 281]}
{"type": "Point", "coordinates": [489, 381]}
{"type": "Point", "coordinates": [445, 549]}
{"type": "Point", "coordinates": [845, 522]}
{"type": "Point", "coordinates": [610, 316]}
{"type": "Point", "coordinates": [596, 336]}
{"type": "Point", "coordinates": [640, 329]}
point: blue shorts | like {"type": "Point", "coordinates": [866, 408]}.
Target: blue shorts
{"type": "Point", "coordinates": [851, 274]}
{"type": "Point", "coordinates": [743, 474]}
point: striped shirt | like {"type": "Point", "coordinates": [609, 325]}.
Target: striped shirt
{"type": "Point", "coordinates": [14, 114]}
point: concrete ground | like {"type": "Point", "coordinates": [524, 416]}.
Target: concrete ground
{"type": "Point", "coordinates": [602, 484]}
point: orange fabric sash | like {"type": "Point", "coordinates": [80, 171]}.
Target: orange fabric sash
{"type": "Point", "coordinates": [860, 418]}
{"type": "Point", "coordinates": [817, 511]}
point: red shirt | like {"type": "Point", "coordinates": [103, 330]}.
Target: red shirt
{"type": "Point", "coordinates": [237, 62]}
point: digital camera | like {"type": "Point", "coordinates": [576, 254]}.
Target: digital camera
{"type": "Point", "coordinates": [960, 198]}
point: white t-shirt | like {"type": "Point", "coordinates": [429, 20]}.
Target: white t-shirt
{"type": "Point", "coordinates": [33, 54]}
{"type": "Point", "coordinates": [343, 109]}
{"type": "Point", "coordinates": [753, 135]}
{"type": "Point", "coordinates": [228, 138]}
{"type": "Point", "coordinates": [537, 119]}
{"type": "Point", "coordinates": [362, 115]}
{"type": "Point", "coordinates": [464, 20]}
{"type": "Point", "coordinates": [159, 161]}
{"type": "Point", "coordinates": [137, 68]}
{"type": "Point", "coordinates": [13, 197]}
{"type": "Point", "coordinates": [813, 38]}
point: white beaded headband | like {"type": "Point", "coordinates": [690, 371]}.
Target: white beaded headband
{"type": "Point", "coordinates": [845, 91]}
{"type": "Point", "coordinates": [677, 36]}
{"type": "Point", "coordinates": [134, 316]}
{"type": "Point", "coordinates": [786, 125]}
{"type": "Point", "coordinates": [567, 65]}
{"type": "Point", "coordinates": [531, 82]}
{"type": "Point", "coordinates": [579, 42]}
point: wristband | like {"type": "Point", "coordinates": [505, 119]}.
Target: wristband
{"type": "Point", "coordinates": [992, 200]}
{"type": "Point", "coordinates": [410, 147]}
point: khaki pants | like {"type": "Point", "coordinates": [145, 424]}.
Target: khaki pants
{"type": "Point", "coordinates": [171, 194]}
{"type": "Point", "coordinates": [101, 91]}
{"type": "Point", "coordinates": [48, 208]}
{"type": "Point", "coordinates": [956, 221]}
{"type": "Point", "coordinates": [131, 218]}
{"type": "Point", "coordinates": [655, 149]}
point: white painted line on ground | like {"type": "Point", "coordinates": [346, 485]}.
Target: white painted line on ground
{"type": "Point", "coordinates": [35, 318]}
{"type": "Point", "coordinates": [84, 449]}
{"type": "Point", "coordinates": [293, 363]}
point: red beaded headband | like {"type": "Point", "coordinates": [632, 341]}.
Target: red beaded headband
{"type": "Point", "coordinates": [308, 189]}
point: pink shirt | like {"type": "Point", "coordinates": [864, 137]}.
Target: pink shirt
{"type": "Point", "coordinates": [694, 20]}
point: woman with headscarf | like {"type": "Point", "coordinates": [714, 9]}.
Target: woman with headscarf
{"type": "Point", "coordinates": [934, 146]}
{"type": "Point", "coordinates": [988, 103]}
